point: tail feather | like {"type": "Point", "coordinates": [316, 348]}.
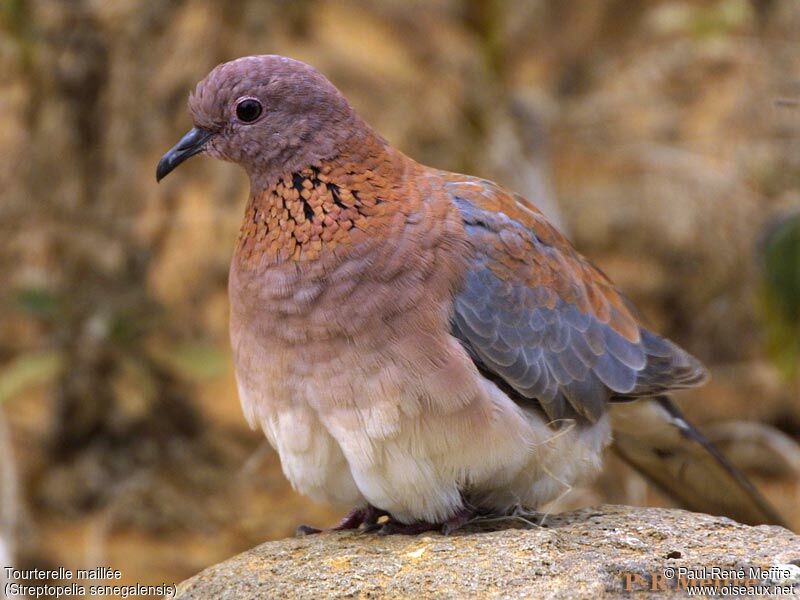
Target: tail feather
{"type": "Point", "coordinates": [654, 437]}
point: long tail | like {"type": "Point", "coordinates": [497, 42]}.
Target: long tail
{"type": "Point", "coordinates": [654, 437]}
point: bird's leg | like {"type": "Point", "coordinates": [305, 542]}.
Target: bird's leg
{"type": "Point", "coordinates": [458, 520]}
{"type": "Point", "coordinates": [393, 527]}
{"type": "Point", "coordinates": [353, 520]}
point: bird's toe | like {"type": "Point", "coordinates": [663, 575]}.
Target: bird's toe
{"type": "Point", "coordinates": [303, 530]}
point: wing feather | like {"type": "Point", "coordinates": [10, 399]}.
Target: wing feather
{"type": "Point", "coordinates": [539, 318]}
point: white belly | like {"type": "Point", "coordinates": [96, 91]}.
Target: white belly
{"type": "Point", "coordinates": [410, 442]}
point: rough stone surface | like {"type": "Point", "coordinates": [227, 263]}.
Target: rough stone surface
{"type": "Point", "coordinates": [583, 554]}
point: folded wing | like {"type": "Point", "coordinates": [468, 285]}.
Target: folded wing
{"type": "Point", "coordinates": [542, 322]}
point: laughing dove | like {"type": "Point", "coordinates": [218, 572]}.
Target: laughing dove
{"type": "Point", "coordinates": [414, 343]}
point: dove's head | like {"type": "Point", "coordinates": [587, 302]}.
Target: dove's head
{"type": "Point", "coordinates": [270, 114]}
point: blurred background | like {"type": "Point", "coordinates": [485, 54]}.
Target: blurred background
{"type": "Point", "coordinates": [663, 136]}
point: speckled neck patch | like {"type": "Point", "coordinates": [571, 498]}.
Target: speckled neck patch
{"type": "Point", "coordinates": [308, 212]}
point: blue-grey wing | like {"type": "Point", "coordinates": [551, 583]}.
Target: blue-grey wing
{"type": "Point", "coordinates": [543, 323]}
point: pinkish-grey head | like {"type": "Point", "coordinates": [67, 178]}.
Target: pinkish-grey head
{"type": "Point", "coordinates": [270, 114]}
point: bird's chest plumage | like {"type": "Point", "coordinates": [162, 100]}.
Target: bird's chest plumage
{"type": "Point", "coordinates": [337, 267]}
{"type": "Point", "coordinates": [363, 320]}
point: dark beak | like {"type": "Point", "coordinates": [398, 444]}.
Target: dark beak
{"type": "Point", "coordinates": [190, 144]}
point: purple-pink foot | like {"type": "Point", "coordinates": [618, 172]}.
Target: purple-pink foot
{"type": "Point", "coordinates": [458, 520]}
{"type": "Point", "coordinates": [393, 527]}
{"type": "Point", "coordinates": [353, 520]}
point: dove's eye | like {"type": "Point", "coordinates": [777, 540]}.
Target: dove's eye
{"type": "Point", "coordinates": [248, 110]}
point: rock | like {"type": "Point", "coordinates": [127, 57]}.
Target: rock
{"type": "Point", "coordinates": [583, 554]}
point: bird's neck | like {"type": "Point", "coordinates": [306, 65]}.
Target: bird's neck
{"type": "Point", "coordinates": [329, 205]}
